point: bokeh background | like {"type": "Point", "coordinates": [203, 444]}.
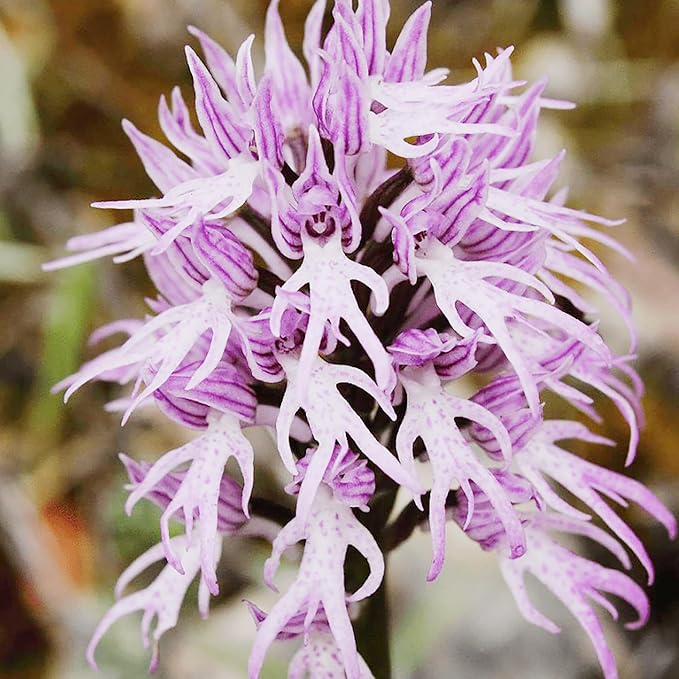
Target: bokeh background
{"type": "Point", "coordinates": [69, 71]}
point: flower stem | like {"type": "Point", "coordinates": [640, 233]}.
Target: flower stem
{"type": "Point", "coordinates": [371, 628]}
{"type": "Point", "coordinates": [383, 196]}
{"type": "Point", "coordinates": [372, 633]}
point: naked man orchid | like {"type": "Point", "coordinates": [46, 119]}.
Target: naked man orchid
{"type": "Point", "coordinates": [341, 250]}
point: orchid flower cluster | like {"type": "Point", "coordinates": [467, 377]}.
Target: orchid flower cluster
{"type": "Point", "coordinates": [343, 251]}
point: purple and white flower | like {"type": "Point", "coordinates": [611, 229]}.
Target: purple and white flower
{"type": "Point", "coordinates": [307, 286]}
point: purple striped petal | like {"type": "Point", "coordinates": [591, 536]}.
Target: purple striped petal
{"type": "Point", "coordinates": [268, 129]}
{"type": "Point", "coordinates": [164, 168]}
{"type": "Point", "coordinates": [226, 257]}
{"type": "Point", "coordinates": [408, 59]}
{"type": "Point", "coordinates": [224, 390]}
{"type": "Point", "coordinates": [217, 117]}
{"type": "Point", "coordinates": [291, 89]}
{"type": "Point", "coordinates": [373, 16]}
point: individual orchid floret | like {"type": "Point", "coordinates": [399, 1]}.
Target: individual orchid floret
{"type": "Point", "coordinates": [423, 108]}
{"type": "Point", "coordinates": [330, 529]}
{"type": "Point", "coordinates": [165, 342]}
{"type": "Point", "coordinates": [571, 578]}
{"type": "Point", "coordinates": [199, 199]}
{"type": "Point", "coordinates": [575, 581]}
{"type": "Point", "coordinates": [430, 415]}
{"type": "Point", "coordinates": [331, 420]}
{"type": "Point", "coordinates": [454, 198]}
{"type": "Point", "coordinates": [188, 196]}
{"type": "Point", "coordinates": [564, 224]}
{"type": "Point", "coordinates": [230, 515]}
{"type": "Point", "coordinates": [515, 200]}
{"type": "Point", "coordinates": [405, 102]}
{"type": "Point", "coordinates": [392, 127]}
{"type": "Point", "coordinates": [265, 348]}
{"type": "Point", "coordinates": [537, 455]}
{"type": "Point", "coordinates": [588, 482]}
{"type": "Point", "coordinates": [570, 359]}
{"type": "Point", "coordinates": [329, 274]}
{"type": "Point", "coordinates": [162, 599]}
{"type": "Point", "coordinates": [319, 657]}
{"type": "Point", "coordinates": [199, 492]}
{"type": "Point", "coordinates": [455, 281]}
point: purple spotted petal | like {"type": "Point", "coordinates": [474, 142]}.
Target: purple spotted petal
{"type": "Point", "coordinates": [329, 530]}
{"type": "Point", "coordinates": [230, 516]}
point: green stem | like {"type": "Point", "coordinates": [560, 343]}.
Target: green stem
{"type": "Point", "coordinates": [372, 632]}
{"type": "Point", "coordinates": [371, 628]}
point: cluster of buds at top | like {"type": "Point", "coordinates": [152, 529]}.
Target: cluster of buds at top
{"type": "Point", "coordinates": [309, 283]}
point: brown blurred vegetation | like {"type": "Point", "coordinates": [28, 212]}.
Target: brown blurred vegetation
{"type": "Point", "coordinates": [69, 71]}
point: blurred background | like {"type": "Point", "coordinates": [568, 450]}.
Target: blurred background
{"type": "Point", "coordinates": [69, 71]}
